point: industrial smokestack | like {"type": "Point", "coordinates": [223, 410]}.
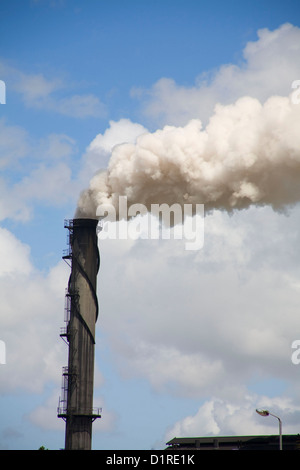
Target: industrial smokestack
{"type": "Point", "coordinates": [76, 404]}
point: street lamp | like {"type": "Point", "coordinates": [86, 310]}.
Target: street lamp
{"type": "Point", "coordinates": [267, 413]}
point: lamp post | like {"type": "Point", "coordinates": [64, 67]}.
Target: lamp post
{"type": "Point", "coordinates": [267, 413]}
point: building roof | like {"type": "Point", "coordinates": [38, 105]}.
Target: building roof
{"type": "Point", "coordinates": [289, 442]}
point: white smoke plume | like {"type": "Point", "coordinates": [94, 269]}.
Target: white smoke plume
{"type": "Point", "coordinates": [249, 153]}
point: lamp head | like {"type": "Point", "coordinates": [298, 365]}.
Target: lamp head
{"type": "Point", "coordinates": [263, 412]}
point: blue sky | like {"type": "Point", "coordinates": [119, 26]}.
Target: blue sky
{"type": "Point", "coordinates": [179, 346]}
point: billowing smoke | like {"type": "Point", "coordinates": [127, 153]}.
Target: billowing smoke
{"type": "Point", "coordinates": [249, 153]}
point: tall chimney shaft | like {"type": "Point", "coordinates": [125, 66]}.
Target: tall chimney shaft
{"type": "Point", "coordinates": [82, 313]}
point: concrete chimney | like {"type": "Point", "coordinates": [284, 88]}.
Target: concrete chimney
{"type": "Point", "coordinates": [76, 403]}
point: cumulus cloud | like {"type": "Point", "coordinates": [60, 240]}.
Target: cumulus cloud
{"type": "Point", "coordinates": [32, 303]}
{"type": "Point", "coordinates": [13, 264]}
{"type": "Point", "coordinates": [215, 323]}
{"type": "Point", "coordinates": [269, 66]}
{"type": "Point", "coordinates": [219, 417]}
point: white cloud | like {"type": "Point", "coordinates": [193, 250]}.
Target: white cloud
{"type": "Point", "coordinates": [225, 418]}
{"type": "Point", "coordinates": [40, 92]}
{"type": "Point", "coordinates": [78, 106]}
{"type": "Point", "coordinates": [55, 147]}
{"type": "Point", "coordinates": [46, 175]}
{"type": "Point", "coordinates": [14, 144]}
{"type": "Point", "coordinates": [270, 65]}
{"type": "Point", "coordinates": [15, 256]}
{"type": "Point", "coordinates": [35, 88]}
{"type": "Point", "coordinates": [212, 323]}
{"type": "Point", "coordinates": [40, 171]}
{"type": "Point", "coordinates": [34, 171]}
{"type": "Point", "coordinates": [172, 370]}
{"type": "Point", "coordinates": [46, 184]}
{"type": "Point", "coordinates": [45, 416]}
{"type": "Point", "coordinates": [31, 314]}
